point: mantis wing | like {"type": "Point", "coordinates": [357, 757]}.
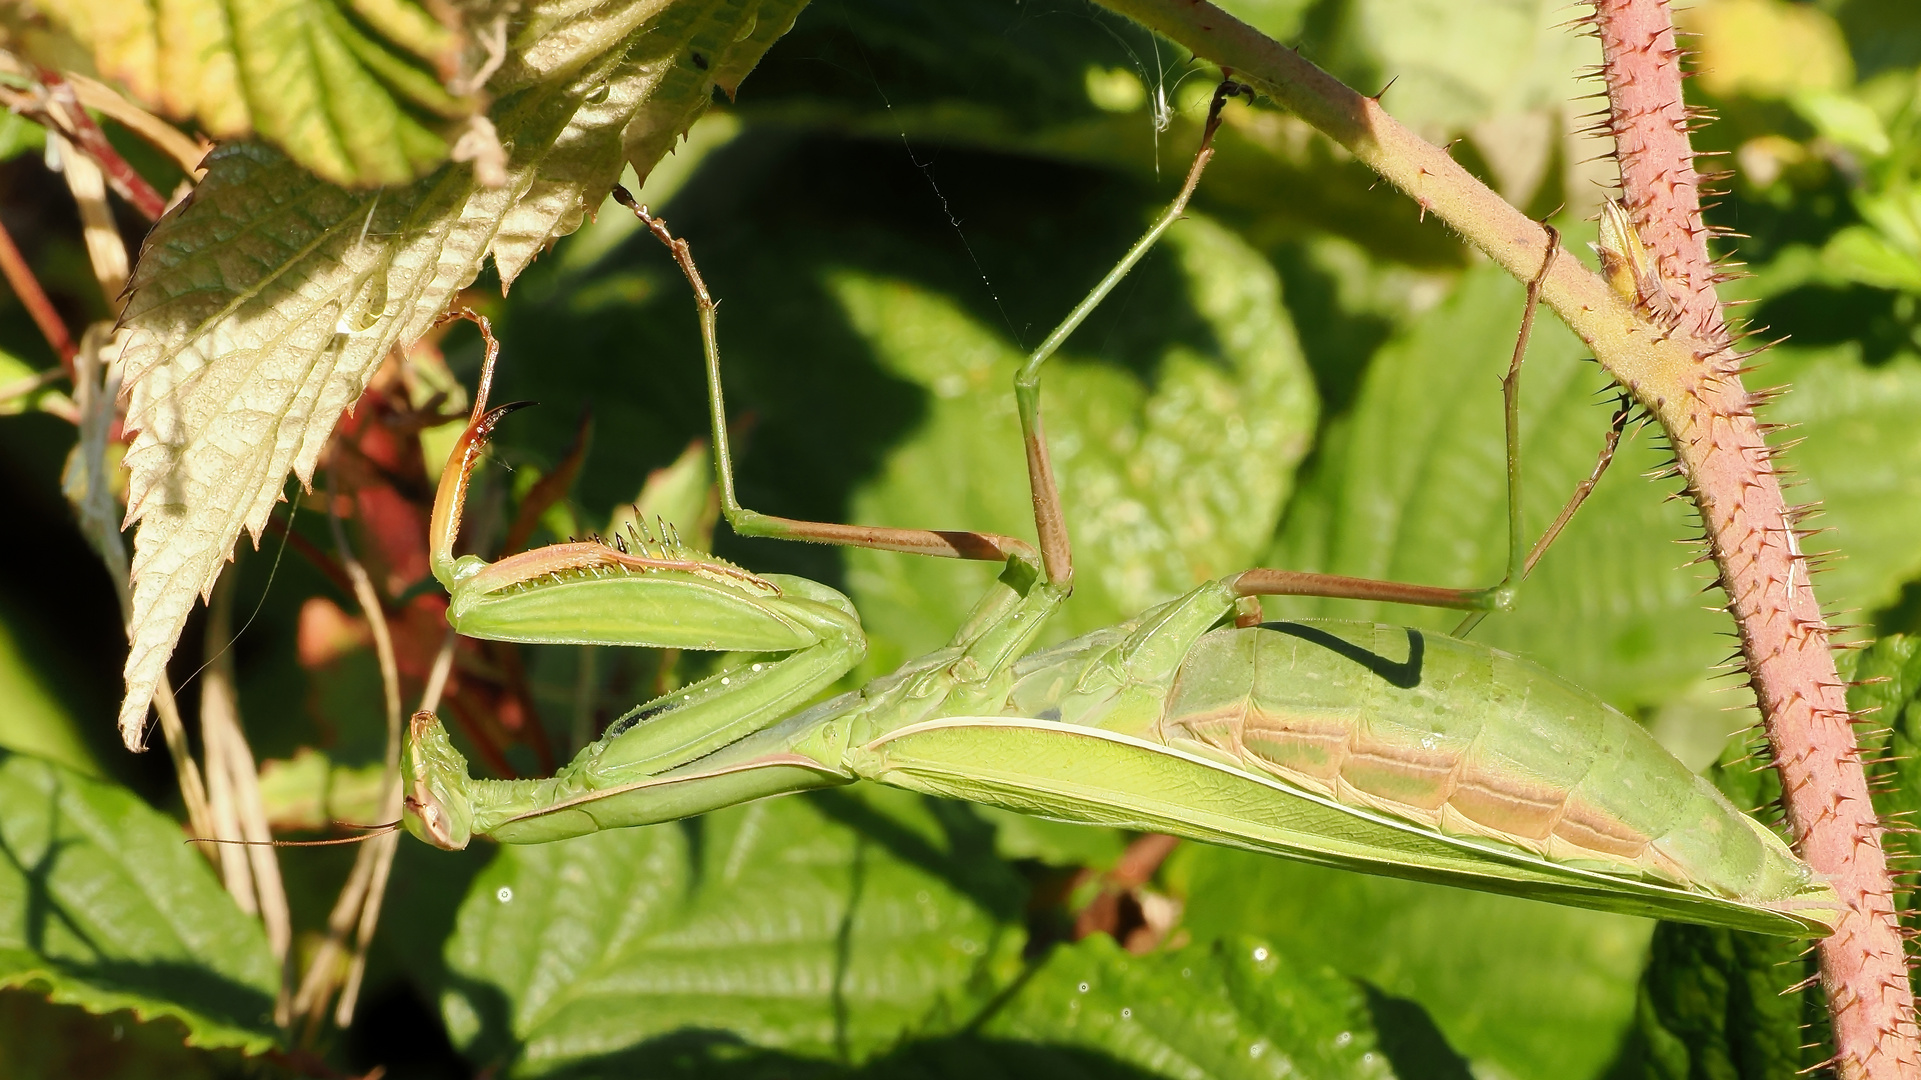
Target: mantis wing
{"type": "Point", "coordinates": [1083, 774]}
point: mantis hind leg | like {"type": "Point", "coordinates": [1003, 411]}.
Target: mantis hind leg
{"type": "Point", "coordinates": [1252, 584]}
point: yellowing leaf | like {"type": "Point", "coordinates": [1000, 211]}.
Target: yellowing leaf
{"type": "Point", "coordinates": [261, 307]}
{"type": "Point", "coordinates": [1767, 48]}
{"type": "Point", "coordinates": [352, 89]}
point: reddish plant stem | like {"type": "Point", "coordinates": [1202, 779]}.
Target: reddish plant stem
{"type": "Point", "coordinates": [1750, 532]}
{"type": "Point", "coordinates": [83, 132]}
{"type": "Point", "coordinates": [34, 299]}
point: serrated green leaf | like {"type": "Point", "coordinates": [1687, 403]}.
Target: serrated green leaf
{"type": "Point", "coordinates": [1887, 694]}
{"type": "Point", "coordinates": [1530, 989]}
{"type": "Point", "coordinates": [1234, 1009]}
{"type": "Point", "coordinates": [1712, 1004]}
{"type": "Point", "coordinates": [1166, 481]}
{"type": "Point", "coordinates": [351, 89]}
{"type": "Point", "coordinates": [261, 308]}
{"type": "Point", "coordinates": [826, 927]}
{"type": "Point", "coordinates": [1412, 487]}
{"type": "Point", "coordinates": [103, 906]}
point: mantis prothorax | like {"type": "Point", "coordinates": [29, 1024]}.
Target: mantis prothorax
{"type": "Point", "coordinates": [1369, 747]}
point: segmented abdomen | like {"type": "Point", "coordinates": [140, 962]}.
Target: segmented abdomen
{"type": "Point", "coordinates": [1469, 741]}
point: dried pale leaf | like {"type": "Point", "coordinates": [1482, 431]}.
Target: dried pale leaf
{"type": "Point", "coordinates": [262, 306]}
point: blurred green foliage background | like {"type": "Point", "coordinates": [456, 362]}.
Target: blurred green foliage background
{"type": "Point", "coordinates": [905, 196]}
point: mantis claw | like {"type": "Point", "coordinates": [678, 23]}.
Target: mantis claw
{"type": "Point", "coordinates": [444, 528]}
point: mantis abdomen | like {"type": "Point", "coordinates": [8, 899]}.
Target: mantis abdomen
{"type": "Point", "coordinates": [1453, 736]}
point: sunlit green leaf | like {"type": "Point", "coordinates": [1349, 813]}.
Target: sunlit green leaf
{"type": "Point", "coordinates": [1238, 1008]}
{"type": "Point", "coordinates": [1166, 481]}
{"type": "Point", "coordinates": [1861, 463]}
{"type": "Point", "coordinates": [828, 927]}
{"type": "Point", "coordinates": [1413, 488]}
{"type": "Point", "coordinates": [103, 906]}
{"type": "Point", "coordinates": [355, 90]}
{"type": "Point", "coordinates": [1528, 988]}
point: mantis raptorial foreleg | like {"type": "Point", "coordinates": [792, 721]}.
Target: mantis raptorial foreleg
{"type": "Point", "coordinates": [1369, 747]}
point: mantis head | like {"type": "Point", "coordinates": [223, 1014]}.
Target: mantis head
{"type": "Point", "coordinates": [438, 807]}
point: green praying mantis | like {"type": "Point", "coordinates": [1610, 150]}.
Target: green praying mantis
{"type": "Point", "coordinates": [1368, 747]}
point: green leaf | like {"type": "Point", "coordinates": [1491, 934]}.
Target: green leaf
{"type": "Point", "coordinates": [33, 721]}
{"type": "Point", "coordinates": [1475, 962]}
{"type": "Point", "coordinates": [262, 307]}
{"type": "Point", "coordinates": [1156, 473]}
{"type": "Point", "coordinates": [1712, 1004]}
{"type": "Point", "coordinates": [1858, 253]}
{"type": "Point", "coordinates": [1237, 1008]}
{"type": "Point", "coordinates": [1412, 487]}
{"type": "Point", "coordinates": [1860, 462]}
{"type": "Point", "coordinates": [350, 89]}
{"type": "Point", "coordinates": [43, 1041]}
{"type": "Point", "coordinates": [1887, 691]}
{"type": "Point", "coordinates": [1455, 65]}
{"type": "Point", "coordinates": [826, 927]}
{"type": "Point", "coordinates": [19, 135]}
{"type": "Point", "coordinates": [102, 905]}
{"type": "Point", "coordinates": [992, 76]}
{"type": "Point", "coordinates": [1845, 119]}
{"type": "Point", "coordinates": [23, 389]}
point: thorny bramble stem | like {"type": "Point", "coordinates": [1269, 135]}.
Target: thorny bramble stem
{"type": "Point", "coordinates": [1751, 534]}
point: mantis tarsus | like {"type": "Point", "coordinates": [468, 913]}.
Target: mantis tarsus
{"type": "Point", "coordinates": [1369, 747]}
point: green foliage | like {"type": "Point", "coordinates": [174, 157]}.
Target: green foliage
{"type": "Point", "coordinates": [904, 197]}
{"type": "Point", "coordinates": [823, 928]}
{"type": "Point", "coordinates": [1411, 486]}
{"type": "Point", "coordinates": [871, 932]}
{"type": "Point", "coordinates": [103, 906]}
{"type": "Point", "coordinates": [1712, 1005]}
{"type": "Point", "coordinates": [33, 721]}
{"type": "Point", "coordinates": [357, 91]}
{"type": "Point", "coordinates": [1237, 1008]}
{"type": "Point", "coordinates": [1474, 961]}
{"type": "Point", "coordinates": [43, 1041]}
{"type": "Point", "coordinates": [1156, 497]}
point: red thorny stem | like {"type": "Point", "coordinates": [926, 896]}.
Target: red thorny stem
{"type": "Point", "coordinates": [1751, 534]}
{"type": "Point", "coordinates": [1689, 379]}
